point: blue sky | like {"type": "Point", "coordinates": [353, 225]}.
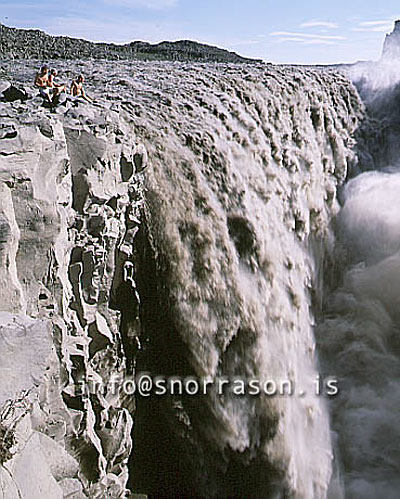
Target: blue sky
{"type": "Point", "coordinates": [279, 31]}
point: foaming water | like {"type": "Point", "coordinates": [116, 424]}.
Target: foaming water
{"type": "Point", "coordinates": [375, 77]}
{"type": "Point", "coordinates": [241, 190]}
{"type": "Point", "coordinates": [379, 87]}
{"type": "Point", "coordinates": [360, 339]}
{"type": "Point", "coordinates": [370, 217]}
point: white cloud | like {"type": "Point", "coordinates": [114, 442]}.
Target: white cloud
{"type": "Point", "coordinates": [147, 4]}
{"type": "Point", "coordinates": [375, 23]}
{"type": "Point", "coordinates": [288, 34]}
{"type": "Point", "coordinates": [291, 39]}
{"type": "Point", "coordinates": [304, 41]}
{"type": "Point", "coordinates": [319, 24]}
{"type": "Point", "coordinates": [376, 29]}
{"type": "Point", "coordinates": [375, 26]}
{"type": "Point", "coordinates": [319, 42]}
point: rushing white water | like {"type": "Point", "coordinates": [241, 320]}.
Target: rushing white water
{"type": "Point", "coordinates": [359, 338]}
{"type": "Point", "coordinates": [245, 163]}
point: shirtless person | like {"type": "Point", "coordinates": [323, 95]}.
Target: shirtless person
{"type": "Point", "coordinates": [42, 82]}
{"type": "Point", "coordinates": [77, 89]}
{"type": "Point", "coordinates": [57, 87]}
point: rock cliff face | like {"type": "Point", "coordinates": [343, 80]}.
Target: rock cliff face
{"type": "Point", "coordinates": [391, 47]}
{"type": "Point", "coordinates": [71, 190]}
{"type": "Point", "coordinates": [34, 44]}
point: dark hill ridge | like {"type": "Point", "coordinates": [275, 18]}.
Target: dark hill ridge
{"type": "Point", "coordinates": [18, 43]}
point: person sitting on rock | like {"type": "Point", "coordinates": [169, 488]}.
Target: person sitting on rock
{"type": "Point", "coordinates": [77, 89]}
{"type": "Point", "coordinates": [42, 82]}
{"type": "Point", "coordinates": [57, 87]}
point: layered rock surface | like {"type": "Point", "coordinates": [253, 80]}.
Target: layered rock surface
{"type": "Point", "coordinates": [71, 191]}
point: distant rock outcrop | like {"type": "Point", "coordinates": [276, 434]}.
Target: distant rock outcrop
{"type": "Point", "coordinates": [391, 47]}
{"type": "Point", "coordinates": [35, 44]}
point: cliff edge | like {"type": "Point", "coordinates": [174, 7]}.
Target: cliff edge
{"type": "Point", "coordinates": [71, 191]}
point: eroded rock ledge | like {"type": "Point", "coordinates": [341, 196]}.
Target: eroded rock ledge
{"type": "Point", "coordinates": [71, 188]}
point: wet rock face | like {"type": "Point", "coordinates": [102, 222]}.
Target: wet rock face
{"type": "Point", "coordinates": [70, 198]}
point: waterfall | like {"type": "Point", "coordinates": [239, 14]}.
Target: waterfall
{"type": "Point", "coordinates": [269, 250]}
{"type": "Point", "coordinates": [245, 166]}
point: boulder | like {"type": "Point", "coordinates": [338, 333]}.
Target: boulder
{"type": "Point", "coordinates": [13, 93]}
